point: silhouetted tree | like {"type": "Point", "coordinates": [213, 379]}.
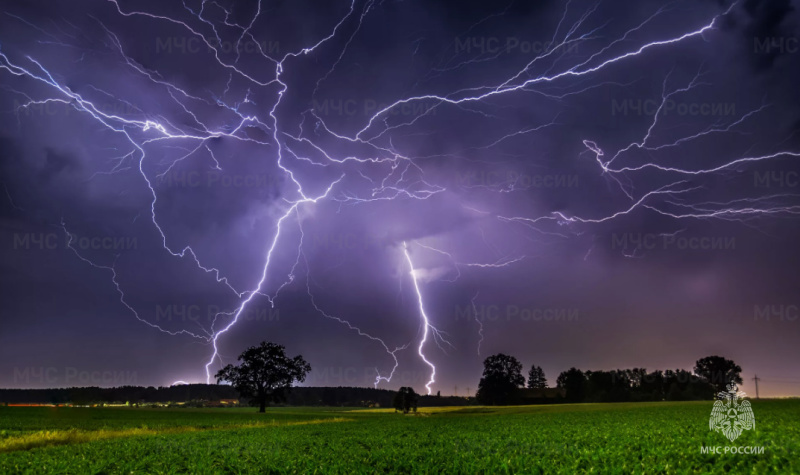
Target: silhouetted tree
{"type": "Point", "coordinates": [718, 371]}
{"type": "Point", "coordinates": [502, 376]}
{"type": "Point", "coordinates": [536, 379]}
{"type": "Point", "coordinates": [406, 400]}
{"type": "Point", "coordinates": [681, 385]}
{"type": "Point", "coordinates": [265, 373]}
{"type": "Point", "coordinates": [574, 382]}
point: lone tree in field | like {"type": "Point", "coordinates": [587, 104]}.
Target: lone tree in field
{"type": "Point", "coordinates": [718, 372]}
{"type": "Point", "coordinates": [265, 373]}
{"type": "Point", "coordinates": [502, 376]}
{"type": "Point", "coordinates": [536, 379]}
{"type": "Point", "coordinates": [406, 400]}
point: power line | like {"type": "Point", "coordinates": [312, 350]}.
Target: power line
{"type": "Point", "coordinates": [756, 380]}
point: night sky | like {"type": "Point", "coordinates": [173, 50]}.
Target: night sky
{"type": "Point", "coordinates": [592, 184]}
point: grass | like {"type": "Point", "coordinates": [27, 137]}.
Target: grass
{"type": "Point", "coordinates": [615, 438]}
{"type": "Point", "coordinates": [26, 441]}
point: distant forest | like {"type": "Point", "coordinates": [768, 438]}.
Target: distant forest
{"type": "Point", "coordinates": [502, 383]}
{"type": "Point", "coordinates": [208, 394]}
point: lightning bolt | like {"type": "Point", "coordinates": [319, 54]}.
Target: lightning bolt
{"type": "Point", "coordinates": [381, 170]}
{"type": "Point", "coordinates": [426, 324]}
{"type": "Point", "coordinates": [257, 290]}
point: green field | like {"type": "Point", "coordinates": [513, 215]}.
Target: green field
{"type": "Point", "coordinates": [617, 438]}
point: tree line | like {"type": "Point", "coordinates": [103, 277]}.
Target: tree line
{"type": "Point", "coordinates": [502, 382]}
{"type": "Point", "coordinates": [131, 394]}
{"type": "Point", "coordinates": [199, 395]}
{"type": "Point", "coordinates": [266, 375]}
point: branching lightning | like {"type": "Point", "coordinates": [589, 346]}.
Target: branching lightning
{"type": "Point", "coordinates": [385, 172]}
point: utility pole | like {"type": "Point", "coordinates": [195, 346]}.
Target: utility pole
{"type": "Point", "coordinates": [467, 392]}
{"type": "Point", "coordinates": [756, 378]}
{"type": "Point", "coordinates": [455, 390]}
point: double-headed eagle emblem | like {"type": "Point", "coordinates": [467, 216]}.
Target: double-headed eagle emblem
{"type": "Point", "coordinates": [730, 416]}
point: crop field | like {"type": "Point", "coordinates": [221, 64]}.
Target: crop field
{"type": "Point", "coordinates": [616, 438]}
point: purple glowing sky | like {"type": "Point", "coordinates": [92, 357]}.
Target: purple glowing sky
{"type": "Point", "coordinates": [585, 184]}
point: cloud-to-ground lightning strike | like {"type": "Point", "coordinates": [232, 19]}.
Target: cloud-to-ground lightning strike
{"type": "Point", "coordinates": [426, 325]}
{"type": "Point", "coordinates": [257, 290]}
{"type": "Point", "coordinates": [385, 171]}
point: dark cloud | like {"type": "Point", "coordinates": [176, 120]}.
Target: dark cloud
{"type": "Point", "coordinates": [769, 23]}
{"type": "Point", "coordinates": [56, 165]}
